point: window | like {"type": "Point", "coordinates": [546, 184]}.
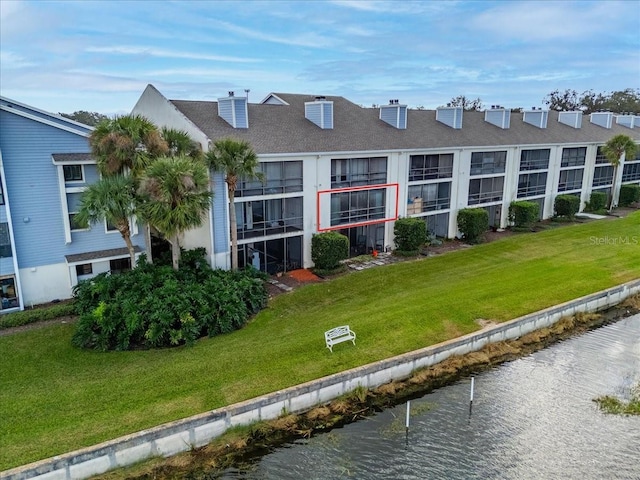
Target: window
{"type": "Point", "coordinates": [5, 241]}
{"type": "Point", "coordinates": [631, 172]}
{"type": "Point", "coordinates": [8, 293]}
{"type": "Point", "coordinates": [120, 265]}
{"type": "Point", "coordinates": [483, 163]}
{"type": "Point", "coordinates": [570, 179]}
{"type": "Point", "coordinates": [573, 157]}
{"type": "Point", "coordinates": [110, 227]}
{"type": "Point", "coordinates": [602, 176]}
{"type": "Point", "coordinates": [426, 198]}
{"type": "Point", "coordinates": [357, 206]}
{"type": "Point", "coordinates": [74, 224]}
{"type": "Point", "coordinates": [484, 190]}
{"type": "Point", "coordinates": [1, 194]}
{"type": "Point", "coordinates": [268, 217]}
{"type": "Point", "coordinates": [531, 184]}
{"type": "Point", "coordinates": [600, 157]}
{"type": "Point", "coordinates": [427, 167]}
{"type": "Point", "coordinates": [356, 172]}
{"type": "Point", "coordinates": [280, 177]}
{"type": "Point", "coordinates": [535, 159]}
{"type": "Point", "coordinates": [72, 173]}
{"type": "Point", "coordinates": [84, 269]}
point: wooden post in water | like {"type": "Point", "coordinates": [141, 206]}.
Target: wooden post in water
{"type": "Point", "coordinates": [407, 421]}
{"type": "Point", "coordinates": [471, 397]}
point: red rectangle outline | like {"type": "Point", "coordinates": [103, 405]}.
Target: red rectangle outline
{"type": "Point", "coordinates": [353, 189]}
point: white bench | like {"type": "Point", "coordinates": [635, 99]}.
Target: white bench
{"type": "Point", "coordinates": [339, 335]}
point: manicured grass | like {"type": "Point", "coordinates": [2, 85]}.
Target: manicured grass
{"type": "Point", "coordinates": [54, 398]}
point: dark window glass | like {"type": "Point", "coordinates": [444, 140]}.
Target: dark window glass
{"type": "Point", "coordinates": [531, 184]}
{"type": "Point", "coordinates": [5, 241]}
{"type": "Point", "coordinates": [483, 163]}
{"type": "Point", "coordinates": [485, 190]}
{"type": "Point", "coordinates": [573, 157]}
{"type": "Point", "coordinates": [570, 179]}
{"type": "Point", "coordinates": [355, 172]}
{"type": "Point", "coordinates": [428, 167]}
{"type": "Point", "coordinates": [279, 177]}
{"type": "Point", "coordinates": [72, 173]}
{"type": "Point", "coordinates": [84, 269]}
{"type": "Point", "coordinates": [535, 159]}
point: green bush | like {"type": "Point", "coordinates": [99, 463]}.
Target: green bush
{"type": "Point", "coordinates": [629, 194]}
{"type": "Point", "coordinates": [473, 222]}
{"type": "Point", "coordinates": [523, 214]}
{"type": "Point", "coordinates": [25, 317]}
{"type": "Point", "coordinates": [566, 205]}
{"type": "Point", "coordinates": [597, 202]}
{"type": "Point", "coordinates": [410, 234]}
{"type": "Point", "coordinates": [328, 249]}
{"type": "Point", "coordinates": [156, 306]}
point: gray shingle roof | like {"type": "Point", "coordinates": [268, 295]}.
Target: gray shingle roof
{"type": "Point", "coordinates": [72, 157]}
{"type": "Point", "coordinates": [112, 252]}
{"type": "Point", "coordinates": [284, 129]}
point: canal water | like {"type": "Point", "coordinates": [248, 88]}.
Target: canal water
{"type": "Point", "coordinates": [532, 418]}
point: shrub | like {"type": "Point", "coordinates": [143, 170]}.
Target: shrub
{"type": "Point", "coordinates": [156, 306]}
{"type": "Point", "coordinates": [566, 205]}
{"type": "Point", "coordinates": [629, 194]}
{"type": "Point", "coordinates": [328, 249]}
{"type": "Point", "coordinates": [26, 317]}
{"type": "Point", "coordinates": [410, 234]}
{"type": "Point", "coordinates": [473, 222]}
{"type": "Point", "coordinates": [523, 214]}
{"type": "Point", "coordinates": [597, 202]}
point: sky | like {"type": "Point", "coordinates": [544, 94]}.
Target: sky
{"type": "Point", "coordinates": [64, 56]}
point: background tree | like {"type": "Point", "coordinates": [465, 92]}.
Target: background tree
{"type": "Point", "coordinates": [621, 101]}
{"type": "Point", "coordinates": [112, 198]}
{"type": "Point", "coordinates": [174, 196]}
{"type": "Point", "coordinates": [614, 149]}
{"type": "Point", "coordinates": [466, 103]}
{"type": "Point", "coordinates": [88, 118]}
{"type": "Point", "coordinates": [236, 160]}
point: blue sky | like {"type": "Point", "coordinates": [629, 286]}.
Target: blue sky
{"type": "Point", "coordinates": [63, 56]}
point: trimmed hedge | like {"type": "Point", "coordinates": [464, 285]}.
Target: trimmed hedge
{"type": "Point", "coordinates": [25, 317]}
{"type": "Point", "coordinates": [328, 249]}
{"type": "Point", "coordinates": [629, 194]}
{"type": "Point", "coordinates": [155, 306]}
{"type": "Point", "coordinates": [410, 234]}
{"type": "Point", "coordinates": [566, 205]}
{"type": "Point", "coordinates": [597, 202]}
{"type": "Point", "coordinates": [523, 214]}
{"type": "Point", "coordinates": [473, 222]}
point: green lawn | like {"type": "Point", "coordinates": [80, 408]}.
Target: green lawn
{"type": "Point", "coordinates": [54, 398]}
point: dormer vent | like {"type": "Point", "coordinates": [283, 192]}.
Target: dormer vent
{"type": "Point", "coordinates": [320, 112]}
{"type": "Point", "coordinates": [603, 119]}
{"type": "Point", "coordinates": [536, 117]}
{"type": "Point", "coordinates": [394, 114]}
{"type": "Point", "coordinates": [450, 116]}
{"type": "Point", "coordinates": [573, 119]}
{"type": "Point", "coordinates": [627, 120]}
{"type": "Point", "coordinates": [498, 116]}
{"type": "Point", "coordinates": [234, 110]}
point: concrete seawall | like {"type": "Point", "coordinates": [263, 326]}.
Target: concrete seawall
{"type": "Point", "coordinates": [181, 435]}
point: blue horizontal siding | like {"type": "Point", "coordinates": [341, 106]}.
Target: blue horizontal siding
{"type": "Point", "coordinates": [33, 192]}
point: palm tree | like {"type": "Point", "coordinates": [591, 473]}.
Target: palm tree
{"type": "Point", "coordinates": [126, 142]}
{"type": "Point", "coordinates": [174, 196]}
{"type": "Point", "coordinates": [111, 198]}
{"type": "Point", "coordinates": [180, 143]}
{"type": "Point", "coordinates": [237, 160]}
{"type": "Point", "coordinates": [614, 149]}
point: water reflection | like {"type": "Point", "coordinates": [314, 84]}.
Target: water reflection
{"type": "Point", "coordinates": [532, 419]}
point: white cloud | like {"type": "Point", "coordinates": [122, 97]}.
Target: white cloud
{"type": "Point", "coordinates": [301, 40]}
{"type": "Point", "coordinates": [11, 60]}
{"type": "Point", "coordinates": [155, 52]}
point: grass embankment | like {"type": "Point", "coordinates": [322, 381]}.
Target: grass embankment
{"type": "Point", "coordinates": [55, 398]}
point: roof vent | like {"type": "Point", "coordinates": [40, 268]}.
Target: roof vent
{"type": "Point", "coordinates": [498, 116]}
{"type": "Point", "coordinates": [573, 119]}
{"type": "Point", "coordinates": [320, 112]}
{"type": "Point", "coordinates": [234, 110]}
{"type": "Point", "coordinates": [604, 119]}
{"type": "Point", "coordinates": [450, 116]}
{"type": "Point", "coordinates": [394, 114]}
{"type": "Point", "coordinates": [628, 120]}
{"type": "Point", "coordinates": [536, 117]}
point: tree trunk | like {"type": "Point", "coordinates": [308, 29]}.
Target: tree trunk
{"type": "Point", "coordinates": [612, 196]}
{"type": "Point", "coordinates": [234, 229]}
{"type": "Point", "coordinates": [125, 231]}
{"type": "Point", "coordinates": [175, 251]}
{"type": "Point", "coordinates": [147, 242]}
